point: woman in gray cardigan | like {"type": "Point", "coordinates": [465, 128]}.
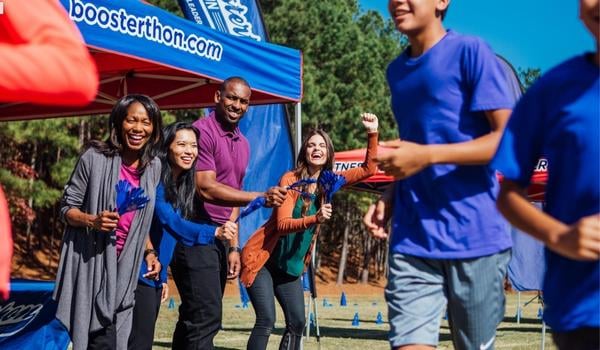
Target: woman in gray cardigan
{"type": "Point", "coordinates": [102, 250]}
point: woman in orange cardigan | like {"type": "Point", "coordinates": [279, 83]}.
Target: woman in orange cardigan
{"type": "Point", "coordinates": [277, 254]}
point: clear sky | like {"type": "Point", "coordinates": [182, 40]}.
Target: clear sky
{"type": "Point", "coordinates": [529, 33]}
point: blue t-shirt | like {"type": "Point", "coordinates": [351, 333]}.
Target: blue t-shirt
{"type": "Point", "coordinates": [559, 118]}
{"type": "Point", "coordinates": [168, 226]}
{"type": "Point", "coordinates": [448, 211]}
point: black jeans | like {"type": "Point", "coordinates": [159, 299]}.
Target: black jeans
{"type": "Point", "coordinates": [270, 283]}
{"type": "Point", "coordinates": [200, 273]}
{"type": "Point", "coordinates": [145, 312]}
{"type": "Point", "coordinates": [578, 339]}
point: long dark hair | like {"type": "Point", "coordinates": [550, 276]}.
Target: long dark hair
{"type": "Point", "coordinates": [301, 170]}
{"type": "Point", "coordinates": [180, 192]}
{"type": "Point", "coordinates": [114, 144]}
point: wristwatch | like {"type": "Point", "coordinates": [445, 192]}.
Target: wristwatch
{"type": "Point", "coordinates": [235, 249]}
{"type": "Point", "coordinates": [150, 251]}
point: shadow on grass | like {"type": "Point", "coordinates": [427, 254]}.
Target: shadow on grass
{"type": "Point", "coordinates": [167, 344]}
{"type": "Point", "coordinates": [330, 332]}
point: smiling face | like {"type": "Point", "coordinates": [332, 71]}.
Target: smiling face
{"type": "Point", "coordinates": [589, 12]}
{"type": "Point", "coordinates": [412, 17]}
{"type": "Point", "coordinates": [137, 128]}
{"type": "Point", "coordinates": [183, 151]}
{"type": "Point", "coordinates": [232, 102]}
{"type": "Point", "coordinates": [316, 151]}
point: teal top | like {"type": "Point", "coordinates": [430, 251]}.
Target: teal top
{"type": "Point", "coordinates": [291, 249]}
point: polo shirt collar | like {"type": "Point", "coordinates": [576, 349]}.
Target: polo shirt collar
{"type": "Point", "coordinates": [235, 134]}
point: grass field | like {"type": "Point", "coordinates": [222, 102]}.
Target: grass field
{"type": "Point", "coordinates": [337, 331]}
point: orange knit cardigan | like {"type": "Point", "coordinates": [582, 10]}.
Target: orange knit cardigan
{"type": "Point", "coordinates": [258, 249]}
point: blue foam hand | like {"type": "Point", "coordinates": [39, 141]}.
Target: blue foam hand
{"type": "Point", "coordinates": [331, 183]}
{"type": "Point", "coordinates": [122, 187]}
{"type": "Point", "coordinates": [135, 200]}
{"type": "Point", "coordinates": [256, 203]}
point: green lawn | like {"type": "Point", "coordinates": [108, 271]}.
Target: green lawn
{"type": "Point", "coordinates": [337, 331]}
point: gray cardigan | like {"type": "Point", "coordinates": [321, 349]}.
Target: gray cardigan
{"type": "Point", "coordinates": [93, 288]}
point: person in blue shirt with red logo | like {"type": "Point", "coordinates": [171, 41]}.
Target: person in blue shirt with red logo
{"type": "Point", "coordinates": [449, 245]}
{"type": "Point", "coordinates": [176, 202]}
{"type": "Point", "coordinates": [559, 118]}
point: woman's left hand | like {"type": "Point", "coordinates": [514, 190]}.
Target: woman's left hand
{"type": "Point", "coordinates": [235, 265]}
{"type": "Point", "coordinates": [370, 122]}
{"type": "Point", "coordinates": [154, 267]}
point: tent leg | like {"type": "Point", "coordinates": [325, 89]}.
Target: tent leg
{"type": "Point", "coordinates": [316, 316]}
{"type": "Point", "coordinates": [518, 307]}
{"type": "Point", "coordinates": [308, 310]}
{"type": "Point", "coordinates": [543, 335]}
{"type": "Point", "coordinates": [298, 126]}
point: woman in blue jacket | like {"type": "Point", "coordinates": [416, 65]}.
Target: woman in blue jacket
{"type": "Point", "coordinates": [172, 222]}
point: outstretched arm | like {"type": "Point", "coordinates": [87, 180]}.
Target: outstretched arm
{"type": "Point", "coordinates": [369, 167]}
{"type": "Point", "coordinates": [212, 191]}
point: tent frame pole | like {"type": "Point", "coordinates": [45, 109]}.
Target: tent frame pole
{"type": "Point", "coordinates": [297, 128]}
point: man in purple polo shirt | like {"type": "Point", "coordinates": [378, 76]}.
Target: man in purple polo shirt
{"type": "Point", "coordinates": [200, 272]}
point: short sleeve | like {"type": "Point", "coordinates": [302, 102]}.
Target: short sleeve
{"type": "Point", "coordinates": [521, 145]}
{"type": "Point", "coordinates": [486, 78]}
{"type": "Point", "coordinates": [206, 149]}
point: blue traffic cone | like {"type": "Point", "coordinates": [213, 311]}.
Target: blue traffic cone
{"type": "Point", "coordinates": [540, 312]}
{"type": "Point", "coordinates": [355, 320]}
{"type": "Point", "coordinates": [343, 300]}
{"type": "Point", "coordinates": [311, 319]}
{"type": "Point", "coordinates": [244, 297]}
{"type": "Point", "coordinates": [171, 303]}
{"type": "Point", "coordinates": [379, 319]}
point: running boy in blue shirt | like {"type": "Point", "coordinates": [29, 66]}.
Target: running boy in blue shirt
{"type": "Point", "coordinates": [449, 245]}
{"type": "Point", "coordinates": [559, 118]}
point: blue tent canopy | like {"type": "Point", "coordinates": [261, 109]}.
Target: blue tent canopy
{"type": "Point", "coordinates": [143, 49]}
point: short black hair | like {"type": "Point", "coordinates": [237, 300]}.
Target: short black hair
{"type": "Point", "coordinates": [233, 79]}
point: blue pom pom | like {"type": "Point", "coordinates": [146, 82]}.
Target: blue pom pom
{"type": "Point", "coordinates": [331, 183]}
{"type": "Point", "coordinates": [256, 203]}
{"type": "Point", "coordinates": [122, 187]}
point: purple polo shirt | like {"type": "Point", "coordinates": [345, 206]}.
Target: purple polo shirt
{"type": "Point", "coordinates": [227, 154]}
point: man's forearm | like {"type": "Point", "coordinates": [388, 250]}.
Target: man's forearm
{"type": "Point", "coordinates": [235, 241]}
{"type": "Point", "coordinates": [474, 152]}
{"type": "Point", "coordinates": [225, 195]}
